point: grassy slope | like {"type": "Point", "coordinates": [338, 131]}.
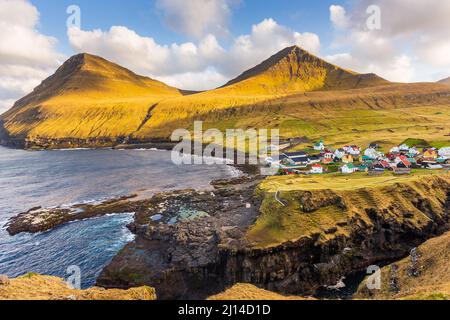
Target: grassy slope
{"type": "Point", "coordinates": [88, 97]}
{"type": "Point", "coordinates": [383, 114]}
{"type": "Point", "coordinates": [243, 291]}
{"type": "Point", "coordinates": [320, 203]}
{"type": "Point", "coordinates": [445, 81]}
{"type": "Point", "coordinates": [433, 282]}
{"type": "Point", "coordinates": [37, 287]}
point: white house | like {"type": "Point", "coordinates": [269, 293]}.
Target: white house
{"type": "Point", "coordinates": [339, 153]}
{"type": "Point", "coordinates": [445, 152]}
{"type": "Point", "coordinates": [349, 168]}
{"type": "Point", "coordinates": [373, 154]}
{"type": "Point", "coordinates": [319, 146]}
{"type": "Point", "coordinates": [413, 151]}
{"type": "Point", "coordinates": [404, 147]}
{"type": "Point", "coordinates": [395, 150]}
{"type": "Point", "coordinates": [353, 150]}
{"type": "Point", "coordinates": [316, 169]}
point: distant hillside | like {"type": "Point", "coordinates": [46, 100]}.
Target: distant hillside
{"type": "Point", "coordinates": [445, 81]}
{"type": "Point", "coordinates": [87, 97]}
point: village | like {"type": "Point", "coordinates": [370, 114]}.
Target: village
{"type": "Point", "coordinates": [350, 159]}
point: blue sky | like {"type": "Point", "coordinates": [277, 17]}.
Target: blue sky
{"type": "Point", "coordinates": [201, 44]}
{"type": "Point", "coordinates": [147, 20]}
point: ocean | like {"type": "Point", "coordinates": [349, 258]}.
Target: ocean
{"type": "Point", "coordinates": [59, 178]}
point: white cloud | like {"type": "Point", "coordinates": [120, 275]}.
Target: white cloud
{"type": "Point", "coordinates": [412, 45]}
{"type": "Point", "coordinates": [197, 66]}
{"type": "Point", "coordinates": [338, 17]}
{"type": "Point", "coordinates": [196, 17]}
{"type": "Point", "coordinates": [26, 55]}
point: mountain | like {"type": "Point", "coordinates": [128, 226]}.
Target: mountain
{"type": "Point", "coordinates": [305, 96]}
{"type": "Point", "coordinates": [87, 97]}
{"type": "Point", "coordinates": [294, 70]}
{"type": "Point", "coordinates": [445, 81]}
{"type": "Point", "coordinates": [91, 102]}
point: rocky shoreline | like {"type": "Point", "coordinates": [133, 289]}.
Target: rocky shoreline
{"type": "Point", "coordinates": [193, 244]}
{"type": "Point", "coordinates": [196, 259]}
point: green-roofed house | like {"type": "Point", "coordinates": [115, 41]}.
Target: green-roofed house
{"type": "Point", "coordinates": [319, 146]}
{"type": "Point", "coordinates": [349, 168]}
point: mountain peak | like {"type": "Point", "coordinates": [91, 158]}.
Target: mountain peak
{"type": "Point", "coordinates": [294, 69]}
{"type": "Point", "coordinates": [85, 72]}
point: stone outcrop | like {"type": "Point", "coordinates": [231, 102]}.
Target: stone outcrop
{"type": "Point", "coordinates": [40, 219]}
{"type": "Point", "coordinates": [422, 275]}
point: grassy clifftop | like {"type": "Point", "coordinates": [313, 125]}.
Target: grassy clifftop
{"type": "Point", "coordinates": [37, 287]}
{"type": "Point", "coordinates": [334, 207]}
{"type": "Point", "coordinates": [242, 291]}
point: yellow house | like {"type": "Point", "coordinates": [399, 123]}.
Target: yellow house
{"type": "Point", "coordinates": [348, 158]}
{"type": "Point", "coordinates": [430, 154]}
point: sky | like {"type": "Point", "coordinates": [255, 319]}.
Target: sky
{"type": "Point", "coordinates": [201, 44]}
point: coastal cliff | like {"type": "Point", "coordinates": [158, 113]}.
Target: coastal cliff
{"type": "Point", "coordinates": [316, 239]}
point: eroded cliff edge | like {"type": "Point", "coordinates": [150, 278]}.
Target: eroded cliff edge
{"type": "Point", "coordinates": [247, 235]}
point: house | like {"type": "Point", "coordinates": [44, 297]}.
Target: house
{"type": "Point", "coordinates": [319, 146]}
{"type": "Point", "coordinates": [328, 157]}
{"type": "Point", "coordinates": [353, 150]}
{"type": "Point", "coordinates": [297, 158]}
{"type": "Point", "coordinates": [395, 150]}
{"type": "Point", "coordinates": [391, 156]}
{"type": "Point", "coordinates": [402, 171]}
{"type": "Point", "coordinates": [339, 153]}
{"type": "Point", "coordinates": [434, 167]}
{"type": "Point", "coordinates": [314, 159]}
{"type": "Point", "coordinates": [413, 162]}
{"type": "Point", "coordinates": [430, 154]}
{"type": "Point", "coordinates": [363, 168]}
{"type": "Point", "coordinates": [373, 154]}
{"type": "Point", "coordinates": [445, 152]}
{"type": "Point", "coordinates": [404, 148]}
{"type": "Point", "coordinates": [349, 168]}
{"type": "Point", "coordinates": [412, 152]}
{"type": "Point", "coordinates": [402, 162]}
{"type": "Point", "coordinates": [348, 158]}
{"type": "Point", "coordinates": [375, 171]}
{"type": "Point", "coordinates": [316, 169]}
{"type": "Point", "coordinates": [385, 164]}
